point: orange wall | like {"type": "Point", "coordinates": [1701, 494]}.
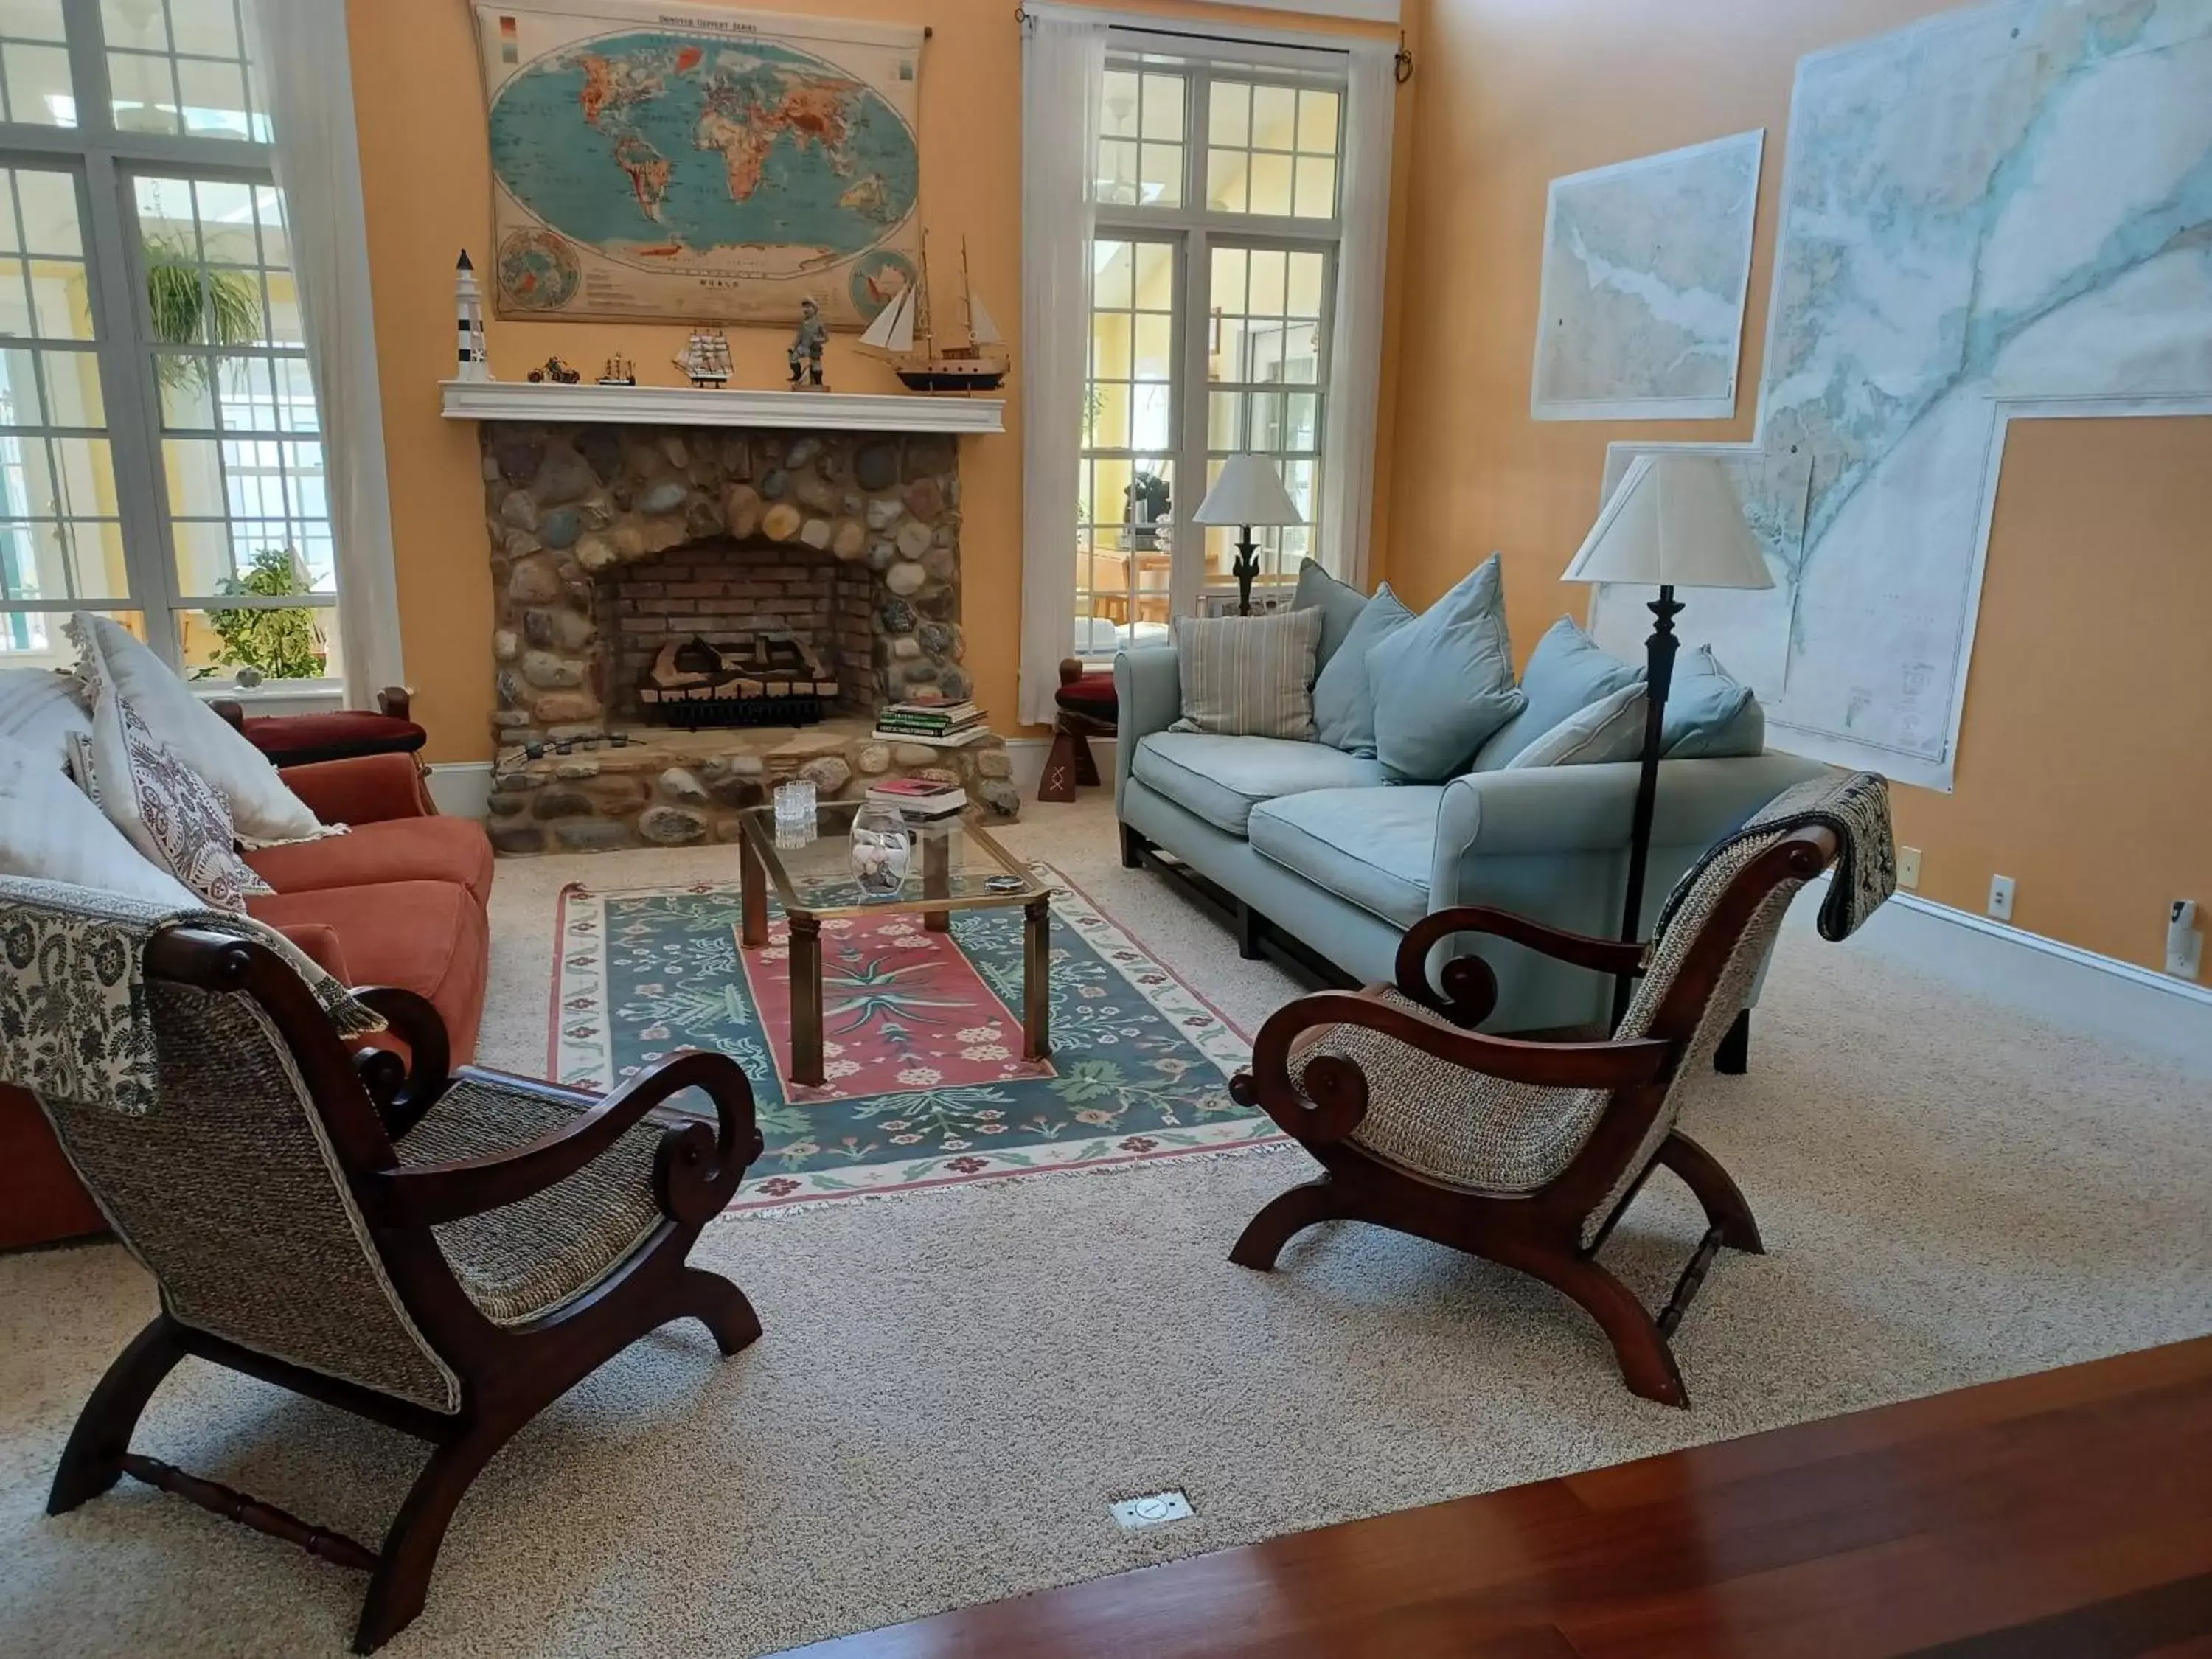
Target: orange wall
{"type": "Point", "coordinates": [427, 184]}
{"type": "Point", "coordinates": [2080, 769]}
{"type": "Point", "coordinates": [2083, 773]}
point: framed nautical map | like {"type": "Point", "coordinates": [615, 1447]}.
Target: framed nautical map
{"type": "Point", "coordinates": [698, 163]}
{"type": "Point", "coordinates": [1646, 264]}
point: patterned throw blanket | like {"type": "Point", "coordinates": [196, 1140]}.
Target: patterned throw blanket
{"type": "Point", "coordinates": [1856, 806]}
{"type": "Point", "coordinates": [74, 1020]}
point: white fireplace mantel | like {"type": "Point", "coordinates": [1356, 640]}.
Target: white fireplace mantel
{"type": "Point", "coordinates": [673, 405]}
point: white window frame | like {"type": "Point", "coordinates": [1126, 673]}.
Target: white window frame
{"type": "Point", "coordinates": [1194, 229]}
{"type": "Point", "coordinates": [106, 161]}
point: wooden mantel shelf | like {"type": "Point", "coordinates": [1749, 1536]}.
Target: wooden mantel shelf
{"type": "Point", "coordinates": [673, 405]}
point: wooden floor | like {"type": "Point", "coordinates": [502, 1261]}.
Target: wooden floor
{"type": "Point", "coordinates": [2063, 1516]}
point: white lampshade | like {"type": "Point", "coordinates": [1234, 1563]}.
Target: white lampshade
{"type": "Point", "coordinates": [1674, 522]}
{"type": "Point", "coordinates": [1249, 491]}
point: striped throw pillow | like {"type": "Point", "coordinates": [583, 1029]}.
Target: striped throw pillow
{"type": "Point", "coordinates": [1249, 676]}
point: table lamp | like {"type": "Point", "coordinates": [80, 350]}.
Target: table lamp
{"type": "Point", "coordinates": [1674, 522]}
{"type": "Point", "coordinates": [1248, 492]}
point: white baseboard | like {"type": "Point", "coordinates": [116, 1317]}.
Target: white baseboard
{"type": "Point", "coordinates": [2169, 1018]}
{"type": "Point", "coordinates": [461, 788]}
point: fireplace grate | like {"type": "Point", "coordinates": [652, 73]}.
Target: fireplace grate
{"type": "Point", "coordinates": [701, 713]}
{"type": "Point", "coordinates": [770, 678]}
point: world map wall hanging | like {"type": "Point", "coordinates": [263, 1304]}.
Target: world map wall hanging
{"type": "Point", "coordinates": [654, 162]}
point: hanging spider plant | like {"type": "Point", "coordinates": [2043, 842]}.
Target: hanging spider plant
{"type": "Point", "coordinates": [192, 305]}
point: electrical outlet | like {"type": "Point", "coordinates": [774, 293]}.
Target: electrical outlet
{"type": "Point", "coordinates": [1154, 1509]}
{"type": "Point", "coordinates": [2184, 943]}
{"type": "Point", "coordinates": [2001, 897]}
{"type": "Point", "coordinates": [1908, 868]}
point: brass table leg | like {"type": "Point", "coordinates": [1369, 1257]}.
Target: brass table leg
{"type": "Point", "coordinates": [1036, 980]}
{"type": "Point", "coordinates": [937, 875]}
{"type": "Point", "coordinates": [807, 1001]}
{"type": "Point", "coordinates": [752, 887]}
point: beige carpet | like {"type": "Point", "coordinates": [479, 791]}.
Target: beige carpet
{"type": "Point", "coordinates": [954, 1384]}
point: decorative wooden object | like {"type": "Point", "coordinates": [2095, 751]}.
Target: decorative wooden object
{"type": "Point", "coordinates": [1070, 765]}
{"type": "Point", "coordinates": [1539, 1232]}
{"type": "Point", "coordinates": [508, 1373]}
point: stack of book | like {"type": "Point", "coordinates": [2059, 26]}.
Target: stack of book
{"type": "Point", "coordinates": [943, 725]}
{"type": "Point", "coordinates": [918, 800]}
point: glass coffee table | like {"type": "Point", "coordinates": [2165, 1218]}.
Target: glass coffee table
{"type": "Point", "coordinates": [953, 866]}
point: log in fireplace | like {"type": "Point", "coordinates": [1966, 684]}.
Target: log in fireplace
{"type": "Point", "coordinates": [770, 676]}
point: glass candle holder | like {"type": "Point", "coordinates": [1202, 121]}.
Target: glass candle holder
{"type": "Point", "coordinates": [795, 806]}
{"type": "Point", "coordinates": [883, 851]}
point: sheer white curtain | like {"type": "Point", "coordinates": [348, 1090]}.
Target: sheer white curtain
{"type": "Point", "coordinates": [1063, 75]}
{"type": "Point", "coordinates": [1355, 339]}
{"type": "Point", "coordinates": [307, 71]}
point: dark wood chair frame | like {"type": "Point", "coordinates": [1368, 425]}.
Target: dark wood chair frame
{"type": "Point", "coordinates": [508, 1374]}
{"type": "Point", "coordinates": [1539, 1232]}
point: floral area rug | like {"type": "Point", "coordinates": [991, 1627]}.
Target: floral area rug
{"type": "Point", "coordinates": [923, 1039]}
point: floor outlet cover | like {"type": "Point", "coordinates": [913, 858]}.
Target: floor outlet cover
{"type": "Point", "coordinates": [1156, 1509]}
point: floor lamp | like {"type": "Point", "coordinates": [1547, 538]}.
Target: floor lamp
{"type": "Point", "coordinates": [1674, 522]}
{"type": "Point", "coordinates": [1248, 492]}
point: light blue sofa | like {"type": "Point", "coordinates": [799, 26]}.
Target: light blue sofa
{"type": "Point", "coordinates": [1314, 846]}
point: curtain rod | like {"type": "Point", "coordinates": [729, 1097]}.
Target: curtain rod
{"type": "Point", "coordinates": [1226, 39]}
{"type": "Point", "coordinates": [1022, 15]}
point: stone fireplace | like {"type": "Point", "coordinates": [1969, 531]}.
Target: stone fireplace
{"type": "Point", "coordinates": [610, 542]}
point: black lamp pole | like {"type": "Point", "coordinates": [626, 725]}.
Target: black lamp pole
{"type": "Point", "coordinates": [1245, 567]}
{"type": "Point", "coordinates": [1659, 678]}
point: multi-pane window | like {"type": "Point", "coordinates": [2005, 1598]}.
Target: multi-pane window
{"type": "Point", "coordinates": [1128, 455]}
{"type": "Point", "coordinates": [1264, 384]}
{"type": "Point", "coordinates": [161, 456]}
{"type": "Point", "coordinates": [242, 459]}
{"type": "Point", "coordinates": [1140, 139]}
{"type": "Point", "coordinates": [1272, 150]}
{"type": "Point", "coordinates": [61, 533]}
{"type": "Point", "coordinates": [181, 66]}
{"type": "Point", "coordinates": [1212, 273]}
{"type": "Point", "coordinates": [34, 64]}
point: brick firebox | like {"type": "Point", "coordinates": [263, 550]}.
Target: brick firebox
{"type": "Point", "coordinates": [722, 589]}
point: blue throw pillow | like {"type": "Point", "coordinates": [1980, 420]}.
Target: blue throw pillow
{"type": "Point", "coordinates": [1566, 675]}
{"type": "Point", "coordinates": [1344, 696]}
{"type": "Point", "coordinates": [1709, 713]}
{"type": "Point", "coordinates": [1443, 682]}
{"type": "Point", "coordinates": [1339, 602]}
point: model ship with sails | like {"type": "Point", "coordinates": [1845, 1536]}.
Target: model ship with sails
{"type": "Point", "coordinates": [705, 358]}
{"type": "Point", "coordinates": [904, 335]}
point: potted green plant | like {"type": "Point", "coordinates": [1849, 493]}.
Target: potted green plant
{"type": "Point", "coordinates": [283, 643]}
{"type": "Point", "coordinates": [190, 304]}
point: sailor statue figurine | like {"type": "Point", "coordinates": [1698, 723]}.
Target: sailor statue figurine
{"type": "Point", "coordinates": [805, 354]}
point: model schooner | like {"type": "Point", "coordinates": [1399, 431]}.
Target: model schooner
{"type": "Point", "coordinates": [705, 357]}
{"type": "Point", "coordinates": [977, 364]}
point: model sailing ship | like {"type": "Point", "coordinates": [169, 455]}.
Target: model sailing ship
{"type": "Point", "coordinates": [705, 357]}
{"type": "Point", "coordinates": [977, 363]}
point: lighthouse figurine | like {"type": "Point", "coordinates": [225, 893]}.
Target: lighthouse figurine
{"type": "Point", "coordinates": [474, 364]}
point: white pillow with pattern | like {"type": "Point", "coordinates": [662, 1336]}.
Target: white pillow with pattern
{"type": "Point", "coordinates": [264, 812]}
{"type": "Point", "coordinates": [171, 815]}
